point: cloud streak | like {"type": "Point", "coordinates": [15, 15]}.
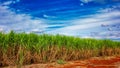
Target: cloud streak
{"type": "Point", "coordinates": [99, 1]}
{"type": "Point", "coordinates": [86, 1]}
{"type": "Point", "coordinates": [83, 27]}
{"type": "Point", "coordinates": [10, 20]}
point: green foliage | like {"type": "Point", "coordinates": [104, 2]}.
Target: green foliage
{"type": "Point", "coordinates": [61, 61]}
{"type": "Point", "coordinates": [53, 47]}
{"type": "Point", "coordinates": [35, 42]}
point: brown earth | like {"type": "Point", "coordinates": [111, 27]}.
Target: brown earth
{"type": "Point", "coordinates": [96, 62]}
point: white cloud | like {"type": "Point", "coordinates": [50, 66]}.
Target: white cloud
{"type": "Point", "coordinates": [81, 4]}
{"type": "Point", "coordinates": [17, 0]}
{"type": "Point", "coordinates": [10, 20]}
{"type": "Point", "coordinates": [86, 1]}
{"type": "Point", "coordinates": [110, 9]}
{"type": "Point", "coordinates": [96, 1]}
{"type": "Point", "coordinates": [83, 27]}
{"type": "Point", "coordinates": [7, 3]}
{"type": "Point", "coordinates": [48, 16]}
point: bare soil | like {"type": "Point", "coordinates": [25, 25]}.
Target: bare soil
{"type": "Point", "coordinates": [95, 62]}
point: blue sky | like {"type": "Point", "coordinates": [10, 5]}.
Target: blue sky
{"type": "Point", "coordinates": [83, 18]}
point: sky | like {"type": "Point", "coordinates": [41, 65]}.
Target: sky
{"type": "Point", "coordinates": [98, 19]}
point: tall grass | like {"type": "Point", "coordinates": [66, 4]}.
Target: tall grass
{"type": "Point", "coordinates": [22, 48]}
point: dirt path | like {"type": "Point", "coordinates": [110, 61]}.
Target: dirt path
{"type": "Point", "coordinates": [103, 62]}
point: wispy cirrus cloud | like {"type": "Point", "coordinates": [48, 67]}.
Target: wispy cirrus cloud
{"type": "Point", "coordinates": [86, 1]}
{"type": "Point", "coordinates": [99, 1]}
{"type": "Point", "coordinates": [84, 27]}
{"type": "Point", "coordinates": [10, 20]}
{"type": "Point", "coordinates": [7, 3]}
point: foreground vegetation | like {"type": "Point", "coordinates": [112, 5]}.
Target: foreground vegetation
{"type": "Point", "coordinates": [21, 48]}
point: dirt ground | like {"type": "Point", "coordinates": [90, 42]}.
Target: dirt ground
{"type": "Point", "coordinates": [96, 62]}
